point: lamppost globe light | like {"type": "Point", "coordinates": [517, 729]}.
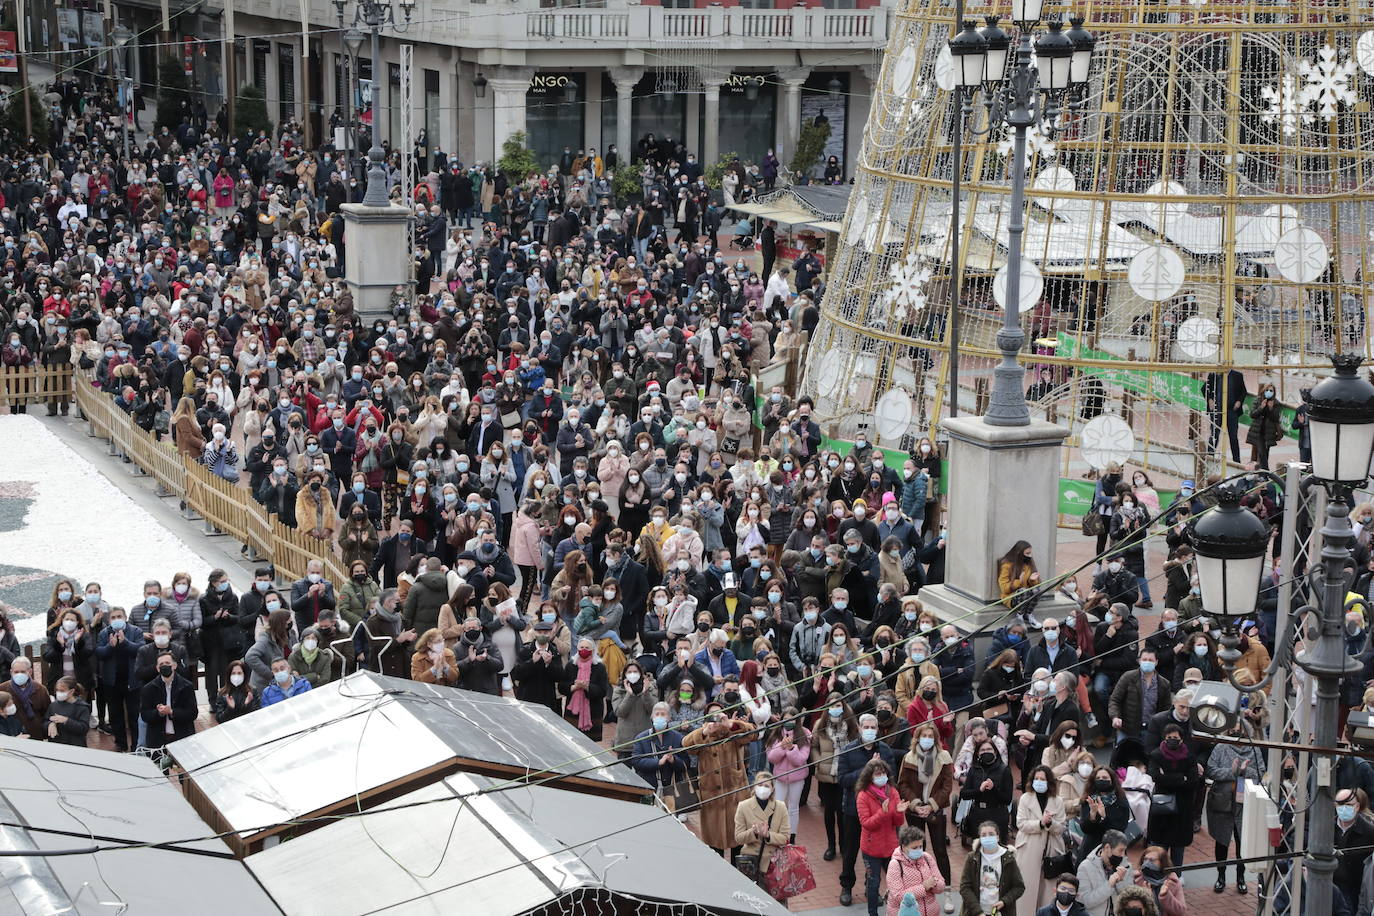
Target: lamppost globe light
{"type": "Point", "coordinates": [1054, 50]}
{"type": "Point", "coordinates": [1026, 12]}
{"type": "Point", "coordinates": [1340, 417]}
{"type": "Point", "coordinates": [1230, 543]}
{"type": "Point", "coordinates": [1083, 44]}
{"type": "Point", "coordinates": [832, 88]}
{"type": "Point", "coordinates": [354, 39]}
{"type": "Point", "coordinates": [970, 52]}
{"type": "Point", "coordinates": [998, 45]}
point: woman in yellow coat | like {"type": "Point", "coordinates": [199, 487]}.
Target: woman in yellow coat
{"type": "Point", "coordinates": [719, 746]}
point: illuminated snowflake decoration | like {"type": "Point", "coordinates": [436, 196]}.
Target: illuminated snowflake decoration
{"type": "Point", "coordinates": [1286, 105]}
{"type": "Point", "coordinates": [1036, 144]}
{"type": "Point", "coordinates": [1329, 81]}
{"type": "Point", "coordinates": [907, 293]}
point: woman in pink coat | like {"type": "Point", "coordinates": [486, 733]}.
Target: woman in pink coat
{"type": "Point", "coordinates": [912, 870]}
{"type": "Point", "coordinates": [223, 187]}
{"type": "Point", "coordinates": [788, 754]}
{"type": "Point", "coordinates": [527, 548]}
{"type": "Point", "coordinates": [611, 471]}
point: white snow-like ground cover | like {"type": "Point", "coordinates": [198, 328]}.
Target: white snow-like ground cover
{"type": "Point", "coordinates": [80, 524]}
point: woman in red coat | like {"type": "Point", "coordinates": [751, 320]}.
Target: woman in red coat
{"type": "Point", "coordinates": [881, 812]}
{"type": "Point", "coordinates": [929, 706]}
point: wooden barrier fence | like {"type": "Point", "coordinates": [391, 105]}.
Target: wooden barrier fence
{"type": "Point", "coordinates": [227, 509]}
{"type": "Point", "coordinates": [34, 385]}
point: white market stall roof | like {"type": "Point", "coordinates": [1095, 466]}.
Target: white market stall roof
{"type": "Point", "coordinates": [818, 207]}
{"type": "Point", "coordinates": [122, 799]}
{"type": "Point", "coordinates": [517, 851]}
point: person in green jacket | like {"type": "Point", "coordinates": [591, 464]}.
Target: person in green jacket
{"type": "Point", "coordinates": [356, 596]}
{"type": "Point", "coordinates": [312, 661]}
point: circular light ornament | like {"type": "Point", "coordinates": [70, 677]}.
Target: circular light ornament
{"type": "Point", "coordinates": [1364, 52]}
{"type": "Point", "coordinates": [858, 223]}
{"type": "Point", "coordinates": [1032, 285]}
{"type": "Point", "coordinates": [892, 415]}
{"type": "Point", "coordinates": [1106, 439]}
{"type": "Point", "coordinates": [1172, 211]}
{"type": "Point", "coordinates": [1197, 338]}
{"type": "Point", "coordinates": [828, 374]}
{"type": "Point", "coordinates": [1156, 273]}
{"type": "Point", "coordinates": [904, 72]}
{"type": "Point", "coordinates": [1300, 255]}
{"type": "Point", "coordinates": [945, 76]}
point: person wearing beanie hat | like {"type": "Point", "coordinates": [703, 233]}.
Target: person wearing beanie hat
{"type": "Point", "coordinates": [864, 520]}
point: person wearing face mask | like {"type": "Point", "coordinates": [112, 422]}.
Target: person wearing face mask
{"type": "Point", "coordinates": [1139, 695]}
{"type": "Point", "coordinates": [235, 697]}
{"type": "Point", "coordinates": [657, 755]}
{"type": "Point", "coordinates": [925, 780]}
{"type": "Point", "coordinates": [312, 660]}
{"type": "Point", "coordinates": [1000, 687]}
{"type": "Point", "coordinates": [720, 744]}
{"type": "Point", "coordinates": [881, 810]}
{"type": "Point", "coordinates": [222, 633]}
{"type": "Point", "coordinates": [1114, 641]}
{"type": "Point", "coordinates": [850, 764]}
{"type": "Point", "coordinates": [987, 788]}
{"type": "Point", "coordinates": [917, 665]}
{"type": "Point", "coordinates": [30, 697]}
{"type": "Point", "coordinates": [69, 717]}
{"type": "Point", "coordinates": [956, 662]}
{"type": "Point", "coordinates": [1129, 525]}
{"type": "Point", "coordinates": [1103, 873]}
{"type": "Point", "coordinates": [1266, 426]}
{"type": "Point", "coordinates": [167, 704]}
{"type": "Point", "coordinates": [1174, 767]}
{"type": "Point", "coordinates": [1227, 765]}
{"type": "Point", "coordinates": [1170, 645]}
{"type": "Point", "coordinates": [116, 651]}
{"type": "Point", "coordinates": [285, 684]}
{"type": "Point", "coordinates": [1017, 578]}
{"type": "Point", "coordinates": [433, 662]}
{"type": "Point", "coordinates": [69, 651]}
{"type": "Point", "coordinates": [913, 882]}
{"type": "Point", "coordinates": [1354, 836]}
{"type": "Point", "coordinates": [991, 881]}
{"type": "Point", "coordinates": [1040, 826]}
{"type": "Point", "coordinates": [541, 657]}
{"type": "Point", "coordinates": [478, 658]}
{"type": "Point", "coordinates": [761, 827]}
{"type": "Point", "coordinates": [1014, 636]}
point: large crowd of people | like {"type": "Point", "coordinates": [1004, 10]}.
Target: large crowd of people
{"type": "Point", "coordinates": [549, 474]}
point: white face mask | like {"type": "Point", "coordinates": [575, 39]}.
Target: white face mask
{"type": "Point", "coordinates": [236, 680]}
{"type": "Point", "coordinates": [61, 696]}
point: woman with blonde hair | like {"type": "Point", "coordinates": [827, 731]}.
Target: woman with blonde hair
{"type": "Point", "coordinates": [929, 706]}
{"type": "Point", "coordinates": [431, 423]}
{"type": "Point", "coordinates": [433, 662]}
{"type": "Point", "coordinates": [752, 529]}
{"type": "Point", "coordinates": [190, 442]}
{"type": "Point", "coordinates": [925, 779]}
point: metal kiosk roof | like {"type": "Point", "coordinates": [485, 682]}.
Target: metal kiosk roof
{"type": "Point", "coordinates": [55, 797]}
{"type": "Point", "coordinates": [447, 849]}
{"type": "Point", "coordinates": [365, 738]}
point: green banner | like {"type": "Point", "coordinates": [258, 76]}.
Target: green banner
{"type": "Point", "coordinates": [1177, 387]}
{"type": "Point", "coordinates": [1076, 496]}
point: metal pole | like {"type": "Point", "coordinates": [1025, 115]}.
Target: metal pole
{"type": "Point", "coordinates": [305, 75]}
{"type": "Point", "coordinates": [1327, 663]}
{"type": "Point", "coordinates": [376, 195]}
{"type": "Point", "coordinates": [1288, 550]}
{"type": "Point", "coordinates": [21, 25]}
{"type": "Point", "coordinates": [1007, 406]}
{"type": "Point", "coordinates": [955, 224]}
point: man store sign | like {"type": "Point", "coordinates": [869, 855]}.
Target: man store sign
{"type": "Point", "coordinates": [542, 83]}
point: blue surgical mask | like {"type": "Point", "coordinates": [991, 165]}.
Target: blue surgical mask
{"type": "Point", "coordinates": [1013, 637]}
{"type": "Point", "coordinates": [926, 742]}
{"type": "Point", "coordinates": [1147, 666]}
{"type": "Point", "coordinates": [1345, 813]}
{"type": "Point", "coordinates": [20, 679]}
{"type": "Point", "coordinates": [152, 600]}
{"type": "Point", "coordinates": [755, 562]}
{"type": "Point", "coordinates": [909, 615]}
{"type": "Point", "coordinates": [835, 712]}
{"type": "Point", "coordinates": [660, 723]}
{"type": "Point", "coordinates": [864, 670]}
{"type": "Point", "coordinates": [870, 735]}
{"type": "Point", "coordinates": [118, 624]}
{"type": "Point", "coordinates": [989, 843]}
{"type": "Point", "coordinates": [548, 618]}
{"type": "Point", "coordinates": [879, 780]}
{"type": "Point", "coordinates": [222, 586]}
{"type": "Point", "coordinates": [359, 487]}
{"type": "Point", "coordinates": [281, 677]}
{"type": "Point", "coordinates": [915, 854]}
{"type": "Point", "coordinates": [1040, 785]}
{"type": "Point", "coordinates": [841, 604]}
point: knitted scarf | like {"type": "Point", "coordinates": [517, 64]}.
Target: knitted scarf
{"type": "Point", "coordinates": [579, 703]}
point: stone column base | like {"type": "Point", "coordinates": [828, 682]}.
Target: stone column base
{"type": "Point", "coordinates": [377, 255]}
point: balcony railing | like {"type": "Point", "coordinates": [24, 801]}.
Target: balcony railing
{"type": "Point", "coordinates": [486, 25]}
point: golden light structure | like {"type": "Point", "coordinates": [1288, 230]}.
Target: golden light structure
{"type": "Point", "coordinates": [1206, 206]}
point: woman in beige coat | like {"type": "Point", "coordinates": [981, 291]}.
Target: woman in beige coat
{"type": "Point", "coordinates": [761, 823]}
{"type": "Point", "coordinates": [1040, 822]}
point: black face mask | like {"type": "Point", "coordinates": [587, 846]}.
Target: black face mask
{"type": "Point", "coordinates": [360, 577]}
{"type": "Point", "coordinates": [1173, 743]}
{"type": "Point", "coordinates": [472, 635]}
{"type": "Point", "coordinates": [1065, 898]}
{"type": "Point", "coordinates": [748, 632]}
{"type": "Point", "coordinates": [1103, 785]}
{"type": "Point", "coordinates": [730, 696]}
{"type": "Point", "coordinates": [773, 672]}
{"type": "Point", "coordinates": [314, 484]}
{"type": "Point", "coordinates": [884, 643]}
{"type": "Point", "coordinates": [884, 715]}
{"type": "Point", "coordinates": [987, 760]}
{"type": "Point", "coordinates": [1151, 869]}
{"type": "Point", "coordinates": [165, 670]}
{"type": "Point", "coordinates": [1114, 861]}
{"type": "Point", "coordinates": [703, 626]}
{"type": "Point", "coordinates": [928, 694]}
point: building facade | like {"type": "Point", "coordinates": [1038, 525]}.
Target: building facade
{"type": "Point", "coordinates": [720, 78]}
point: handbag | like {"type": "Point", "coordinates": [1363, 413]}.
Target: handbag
{"type": "Point", "coordinates": [224, 469]}
{"type": "Point", "coordinates": [748, 865]}
{"type": "Point", "coordinates": [1163, 803]}
{"type": "Point", "coordinates": [1093, 524]}
{"type": "Point", "coordinates": [789, 874]}
{"type": "Point", "coordinates": [684, 794]}
{"type": "Point", "coordinates": [729, 445]}
{"type": "Point", "coordinates": [1051, 867]}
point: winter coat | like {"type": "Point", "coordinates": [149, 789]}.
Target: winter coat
{"type": "Point", "coordinates": [354, 600]}
{"type": "Point", "coordinates": [115, 664]}
{"type": "Point", "coordinates": [789, 765]}
{"type": "Point", "coordinates": [222, 637]}
{"type": "Point", "coordinates": [479, 675]}
{"type": "Point", "coordinates": [317, 673]}
{"type": "Point", "coordinates": [537, 682]}
{"type": "Point", "coordinates": [1009, 888]}
{"type": "Point", "coordinates": [526, 544]}
{"type": "Point", "coordinates": [1127, 697]}
{"type": "Point", "coordinates": [1034, 843]}
{"type": "Point", "coordinates": [748, 814]}
{"type": "Point", "coordinates": [259, 661]}
{"type": "Point", "coordinates": [721, 778]}
{"type": "Point", "coordinates": [1093, 890]}
{"type": "Point", "coordinates": [183, 613]}
{"type": "Point", "coordinates": [851, 762]}
{"type": "Point", "coordinates": [1180, 779]}
{"type": "Point", "coordinates": [74, 730]}
{"type": "Point", "coordinates": [878, 827]}
{"type": "Point", "coordinates": [909, 876]}
{"type": "Point", "coordinates": [428, 594]}
{"type": "Point", "coordinates": [634, 710]}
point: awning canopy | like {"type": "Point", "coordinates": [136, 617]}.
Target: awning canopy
{"type": "Point", "coordinates": [376, 735]}
{"type": "Point", "coordinates": [818, 207]}
{"type": "Point", "coordinates": [504, 852]}
{"type": "Point", "coordinates": [62, 795]}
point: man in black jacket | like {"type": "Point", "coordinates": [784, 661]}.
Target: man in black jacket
{"type": "Point", "coordinates": [851, 761]}
{"type": "Point", "coordinates": [1051, 652]}
{"type": "Point", "coordinates": [277, 492]}
{"type": "Point", "coordinates": [394, 554]}
{"type": "Point", "coordinates": [261, 458]}
{"type": "Point", "coordinates": [634, 587]}
{"type": "Point", "coordinates": [1117, 582]}
{"type": "Point", "coordinates": [682, 666]}
{"type": "Point", "coordinates": [167, 704]}
{"type": "Point", "coordinates": [538, 669]}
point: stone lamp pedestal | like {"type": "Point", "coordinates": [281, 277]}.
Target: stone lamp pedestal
{"type": "Point", "coordinates": [1003, 487]}
{"type": "Point", "coordinates": [377, 255]}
